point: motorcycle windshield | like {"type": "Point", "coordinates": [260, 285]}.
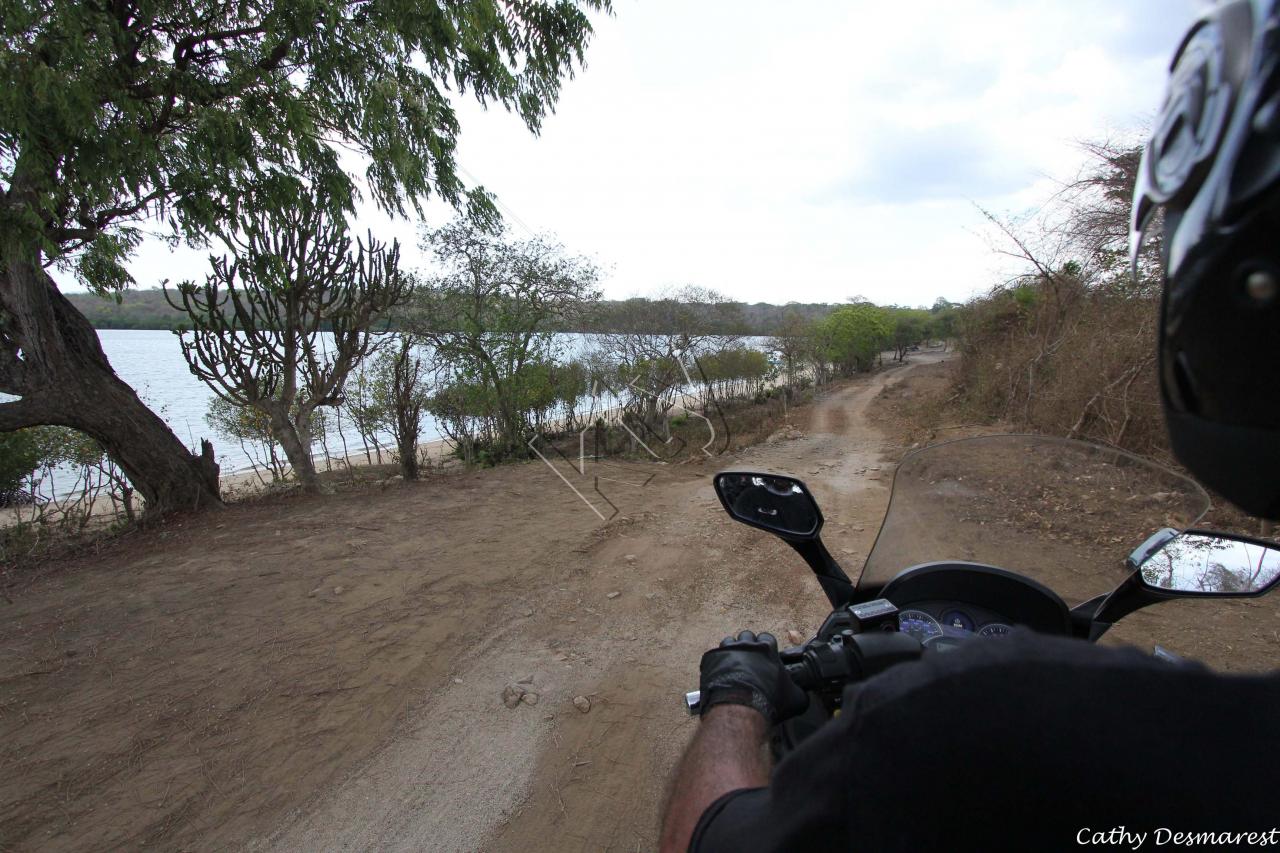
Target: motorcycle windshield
{"type": "Point", "coordinates": [1061, 512]}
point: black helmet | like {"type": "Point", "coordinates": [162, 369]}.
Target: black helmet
{"type": "Point", "coordinates": [1213, 165]}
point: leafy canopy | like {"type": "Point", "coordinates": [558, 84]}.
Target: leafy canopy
{"type": "Point", "coordinates": [117, 111]}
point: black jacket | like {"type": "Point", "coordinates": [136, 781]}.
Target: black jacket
{"type": "Point", "coordinates": [1024, 743]}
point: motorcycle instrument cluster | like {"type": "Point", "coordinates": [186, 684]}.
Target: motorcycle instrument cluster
{"type": "Point", "coordinates": [951, 626]}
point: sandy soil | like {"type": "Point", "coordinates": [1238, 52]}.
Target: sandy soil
{"type": "Point", "coordinates": [327, 674]}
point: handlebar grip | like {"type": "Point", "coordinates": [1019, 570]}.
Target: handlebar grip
{"type": "Point", "coordinates": [801, 675]}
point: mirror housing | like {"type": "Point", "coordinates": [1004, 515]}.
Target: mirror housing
{"type": "Point", "coordinates": [783, 506]}
{"type": "Point", "coordinates": [775, 503]}
{"type": "Point", "coordinates": [1206, 563]}
{"type": "Point", "coordinates": [1193, 564]}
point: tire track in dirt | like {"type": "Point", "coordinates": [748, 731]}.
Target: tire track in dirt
{"type": "Point", "coordinates": [622, 621]}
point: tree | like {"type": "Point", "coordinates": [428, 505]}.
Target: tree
{"type": "Point", "coordinates": [652, 343]}
{"type": "Point", "coordinates": [910, 325]}
{"type": "Point", "coordinates": [264, 320]}
{"type": "Point", "coordinates": [251, 429]}
{"type": "Point", "coordinates": [853, 335]}
{"type": "Point", "coordinates": [491, 313]}
{"type": "Point", "coordinates": [184, 113]}
{"type": "Point", "coordinates": [400, 392]}
{"type": "Point", "coordinates": [794, 341]}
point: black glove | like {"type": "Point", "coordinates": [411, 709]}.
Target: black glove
{"type": "Point", "coordinates": [747, 671]}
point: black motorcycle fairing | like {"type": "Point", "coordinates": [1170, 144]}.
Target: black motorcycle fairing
{"type": "Point", "coordinates": [1030, 603]}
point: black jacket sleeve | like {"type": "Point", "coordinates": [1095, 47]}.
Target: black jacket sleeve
{"type": "Point", "coordinates": [1017, 743]}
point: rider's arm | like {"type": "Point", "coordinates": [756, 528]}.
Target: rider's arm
{"type": "Point", "coordinates": [727, 754]}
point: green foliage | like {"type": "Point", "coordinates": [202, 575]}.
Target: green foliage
{"type": "Point", "coordinates": [237, 422]}
{"type": "Point", "coordinates": [250, 427]}
{"type": "Point", "coordinates": [735, 364]}
{"type": "Point", "coordinates": [910, 327]}
{"type": "Point", "coordinates": [28, 460]}
{"type": "Point", "coordinates": [853, 335]}
{"type": "Point", "coordinates": [20, 454]}
{"type": "Point", "coordinates": [194, 110]}
{"type": "Point", "coordinates": [490, 318]}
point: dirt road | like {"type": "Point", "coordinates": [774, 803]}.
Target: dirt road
{"type": "Point", "coordinates": [327, 673]}
{"type": "Point", "coordinates": [622, 621]}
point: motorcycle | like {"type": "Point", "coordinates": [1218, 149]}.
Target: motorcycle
{"type": "Point", "coordinates": [985, 535]}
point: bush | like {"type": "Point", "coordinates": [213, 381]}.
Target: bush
{"type": "Point", "coordinates": [1062, 358]}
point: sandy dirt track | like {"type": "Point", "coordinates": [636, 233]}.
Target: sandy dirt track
{"type": "Point", "coordinates": [326, 673]}
{"type": "Point", "coordinates": [468, 773]}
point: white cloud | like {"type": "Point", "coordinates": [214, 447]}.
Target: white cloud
{"type": "Point", "coordinates": [811, 151]}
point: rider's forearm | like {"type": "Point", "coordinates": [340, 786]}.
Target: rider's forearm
{"type": "Point", "coordinates": [726, 754]}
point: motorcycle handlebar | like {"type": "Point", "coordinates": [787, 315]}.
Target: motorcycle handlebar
{"type": "Point", "coordinates": [800, 674]}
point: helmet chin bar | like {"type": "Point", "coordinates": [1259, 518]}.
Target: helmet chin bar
{"type": "Point", "coordinates": [1221, 455]}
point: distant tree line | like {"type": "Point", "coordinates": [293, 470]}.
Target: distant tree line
{"type": "Point", "coordinates": [147, 309]}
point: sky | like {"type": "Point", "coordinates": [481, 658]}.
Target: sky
{"type": "Point", "coordinates": [808, 152]}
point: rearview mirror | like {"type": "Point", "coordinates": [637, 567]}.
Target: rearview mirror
{"type": "Point", "coordinates": [1204, 563]}
{"type": "Point", "coordinates": [778, 504]}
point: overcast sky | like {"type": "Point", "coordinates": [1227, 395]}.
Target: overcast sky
{"type": "Point", "coordinates": [809, 151]}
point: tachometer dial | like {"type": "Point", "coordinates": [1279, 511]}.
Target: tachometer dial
{"type": "Point", "coordinates": [957, 619]}
{"type": "Point", "coordinates": [918, 624]}
{"type": "Point", "coordinates": [995, 629]}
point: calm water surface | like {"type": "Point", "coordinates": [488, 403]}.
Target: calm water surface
{"type": "Point", "coordinates": [151, 361]}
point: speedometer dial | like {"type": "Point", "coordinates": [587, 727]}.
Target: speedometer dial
{"type": "Point", "coordinates": [919, 624]}
{"type": "Point", "coordinates": [995, 629]}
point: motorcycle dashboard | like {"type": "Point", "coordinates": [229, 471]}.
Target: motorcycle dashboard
{"type": "Point", "coordinates": [940, 625]}
{"type": "Point", "coordinates": [964, 599]}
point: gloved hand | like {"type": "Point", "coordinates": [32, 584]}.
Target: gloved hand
{"type": "Point", "coordinates": [747, 671]}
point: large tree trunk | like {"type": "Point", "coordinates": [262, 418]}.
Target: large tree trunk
{"type": "Point", "coordinates": [296, 441]}
{"type": "Point", "coordinates": [50, 358]}
{"type": "Point", "coordinates": [407, 431]}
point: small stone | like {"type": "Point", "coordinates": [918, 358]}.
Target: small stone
{"type": "Point", "coordinates": [457, 681]}
{"type": "Point", "coordinates": [613, 595]}
{"type": "Point", "coordinates": [338, 590]}
{"type": "Point", "coordinates": [562, 656]}
{"type": "Point", "coordinates": [528, 679]}
{"type": "Point", "coordinates": [630, 558]}
{"type": "Point", "coordinates": [529, 698]}
{"type": "Point", "coordinates": [572, 619]}
{"type": "Point", "coordinates": [511, 695]}
{"type": "Point", "coordinates": [313, 593]}
{"type": "Point", "coordinates": [582, 703]}
{"type": "Point", "coordinates": [795, 638]}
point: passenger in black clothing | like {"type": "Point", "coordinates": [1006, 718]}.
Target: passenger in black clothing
{"type": "Point", "coordinates": [1039, 743]}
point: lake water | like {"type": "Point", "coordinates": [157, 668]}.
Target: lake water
{"type": "Point", "coordinates": [151, 361]}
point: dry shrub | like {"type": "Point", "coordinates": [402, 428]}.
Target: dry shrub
{"type": "Point", "coordinates": [1049, 354]}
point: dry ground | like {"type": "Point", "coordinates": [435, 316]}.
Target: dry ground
{"type": "Point", "coordinates": [326, 674]}
{"type": "Point", "coordinates": [321, 673]}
